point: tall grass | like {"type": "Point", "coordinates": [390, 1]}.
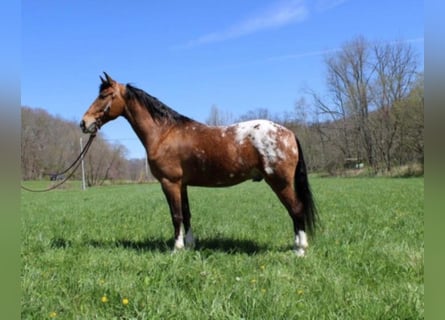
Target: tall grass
{"type": "Point", "coordinates": [105, 253]}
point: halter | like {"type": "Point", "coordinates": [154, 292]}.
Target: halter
{"type": "Point", "coordinates": [108, 106]}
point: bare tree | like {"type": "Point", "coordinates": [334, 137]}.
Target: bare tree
{"type": "Point", "coordinates": [344, 113]}
{"type": "Point", "coordinates": [259, 113]}
{"type": "Point", "coordinates": [349, 76]}
{"type": "Point", "coordinates": [139, 170]}
{"type": "Point", "coordinates": [409, 138]}
{"type": "Point", "coordinates": [299, 122]}
{"type": "Point", "coordinates": [218, 117]}
{"type": "Point", "coordinates": [104, 162]}
{"type": "Point", "coordinates": [367, 87]}
{"type": "Point", "coordinates": [395, 65]}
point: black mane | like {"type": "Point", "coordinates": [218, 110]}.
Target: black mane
{"type": "Point", "coordinates": [158, 110]}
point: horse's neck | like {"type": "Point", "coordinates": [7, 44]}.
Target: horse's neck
{"type": "Point", "coordinates": [147, 130]}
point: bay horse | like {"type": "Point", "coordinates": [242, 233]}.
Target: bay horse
{"type": "Point", "coordinates": [182, 152]}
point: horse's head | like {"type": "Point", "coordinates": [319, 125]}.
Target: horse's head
{"type": "Point", "coordinates": [108, 105]}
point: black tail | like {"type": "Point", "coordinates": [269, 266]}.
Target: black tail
{"type": "Point", "coordinates": [304, 193]}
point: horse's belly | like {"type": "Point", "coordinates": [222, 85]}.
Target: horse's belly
{"type": "Point", "coordinates": [209, 176]}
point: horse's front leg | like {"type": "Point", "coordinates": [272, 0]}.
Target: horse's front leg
{"type": "Point", "coordinates": [172, 191]}
{"type": "Point", "coordinates": [186, 215]}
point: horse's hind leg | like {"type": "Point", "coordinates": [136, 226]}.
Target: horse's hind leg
{"type": "Point", "coordinates": [289, 199]}
{"type": "Point", "coordinates": [295, 209]}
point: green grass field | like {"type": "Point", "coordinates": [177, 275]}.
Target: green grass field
{"type": "Point", "coordinates": [105, 253]}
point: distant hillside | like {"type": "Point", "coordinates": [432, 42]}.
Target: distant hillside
{"type": "Point", "coordinates": [49, 144]}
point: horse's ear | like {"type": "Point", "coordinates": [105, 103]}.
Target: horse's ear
{"type": "Point", "coordinates": [103, 80]}
{"type": "Point", "coordinates": [109, 80]}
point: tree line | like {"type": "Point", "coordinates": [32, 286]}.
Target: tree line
{"type": "Point", "coordinates": [370, 118]}
{"type": "Point", "coordinates": [50, 144]}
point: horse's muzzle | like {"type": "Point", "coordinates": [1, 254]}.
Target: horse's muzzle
{"type": "Point", "coordinates": [92, 128]}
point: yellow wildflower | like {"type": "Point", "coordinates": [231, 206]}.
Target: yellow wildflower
{"type": "Point", "coordinates": [125, 301]}
{"type": "Point", "coordinates": [104, 299]}
{"type": "Point", "coordinates": [53, 314]}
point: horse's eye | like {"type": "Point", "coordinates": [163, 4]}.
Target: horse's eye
{"type": "Point", "coordinates": [104, 95]}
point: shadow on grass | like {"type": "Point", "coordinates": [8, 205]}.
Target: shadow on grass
{"type": "Point", "coordinates": [219, 244]}
{"type": "Point", "coordinates": [230, 246]}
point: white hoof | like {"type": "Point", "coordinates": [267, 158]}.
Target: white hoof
{"type": "Point", "coordinates": [300, 252]}
{"type": "Point", "coordinates": [179, 245]}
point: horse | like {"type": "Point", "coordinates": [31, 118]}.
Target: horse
{"type": "Point", "coordinates": [182, 152]}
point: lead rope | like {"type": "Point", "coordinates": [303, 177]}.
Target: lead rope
{"type": "Point", "coordinates": [75, 164]}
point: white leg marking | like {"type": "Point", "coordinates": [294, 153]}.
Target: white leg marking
{"type": "Point", "coordinates": [189, 239]}
{"type": "Point", "coordinates": [303, 239]}
{"type": "Point", "coordinates": [301, 243]}
{"type": "Point", "coordinates": [179, 242]}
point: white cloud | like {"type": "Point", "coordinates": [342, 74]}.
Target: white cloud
{"type": "Point", "coordinates": [332, 50]}
{"type": "Point", "coordinates": [279, 15]}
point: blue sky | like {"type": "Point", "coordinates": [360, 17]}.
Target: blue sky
{"type": "Point", "coordinates": [237, 55]}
